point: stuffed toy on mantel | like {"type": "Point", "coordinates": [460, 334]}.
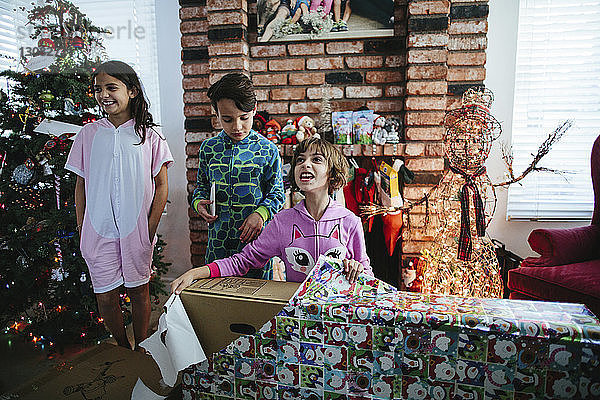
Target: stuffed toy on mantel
{"type": "Point", "coordinates": [306, 128]}
{"type": "Point", "coordinates": [288, 133]}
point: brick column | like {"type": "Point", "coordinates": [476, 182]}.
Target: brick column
{"type": "Point", "coordinates": [466, 48]}
{"type": "Point", "coordinates": [194, 57]}
{"type": "Point", "coordinates": [214, 42]}
{"type": "Point", "coordinates": [425, 105]}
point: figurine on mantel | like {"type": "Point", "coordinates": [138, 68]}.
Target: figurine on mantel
{"type": "Point", "coordinates": [379, 132]}
{"type": "Point", "coordinates": [272, 129]}
{"type": "Point", "coordinates": [306, 128]}
{"type": "Point", "coordinates": [386, 131]}
{"type": "Point", "coordinates": [288, 133]}
{"type": "Point", "coordinates": [392, 127]}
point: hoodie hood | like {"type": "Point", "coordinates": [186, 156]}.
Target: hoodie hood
{"type": "Point", "coordinates": [333, 211]}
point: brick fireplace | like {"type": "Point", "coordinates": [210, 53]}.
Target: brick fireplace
{"type": "Point", "coordinates": [436, 52]}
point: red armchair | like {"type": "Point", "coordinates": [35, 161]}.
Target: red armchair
{"type": "Point", "coordinates": [568, 269]}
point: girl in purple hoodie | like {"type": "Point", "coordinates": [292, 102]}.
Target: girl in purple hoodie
{"type": "Point", "coordinates": [316, 226]}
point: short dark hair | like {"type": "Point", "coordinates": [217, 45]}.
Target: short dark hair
{"type": "Point", "coordinates": [234, 86]}
{"type": "Point", "coordinates": [336, 162]}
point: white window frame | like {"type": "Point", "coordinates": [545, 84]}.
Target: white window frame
{"type": "Point", "coordinates": [557, 78]}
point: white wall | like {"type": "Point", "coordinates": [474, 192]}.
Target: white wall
{"type": "Point", "coordinates": [173, 226]}
{"type": "Point", "coordinates": [500, 66]}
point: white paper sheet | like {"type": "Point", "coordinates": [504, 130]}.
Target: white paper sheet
{"type": "Point", "coordinates": [56, 128]}
{"type": "Point", "coordinates": [143, 392]}
{"type": "Point", "coordinates": [213, 199]}
{"type": "Point", "coordinates": [174, 346]}
{"type": "Point", "coordinates": [39, 62]}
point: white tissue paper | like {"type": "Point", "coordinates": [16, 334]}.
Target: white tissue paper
{"type": "Point", "coordinates": [143, 392]}
{"type": "Point", "coordinates": [174, 346]}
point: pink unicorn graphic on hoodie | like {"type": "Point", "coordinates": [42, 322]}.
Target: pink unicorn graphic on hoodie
{"type": "Point", "coordinates": [294, 236]}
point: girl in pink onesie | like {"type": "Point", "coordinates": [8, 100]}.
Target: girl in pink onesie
{"type": "Point", "coordinates": [315, 226]}
{"type": "Point", "coordinates": [121, 165]}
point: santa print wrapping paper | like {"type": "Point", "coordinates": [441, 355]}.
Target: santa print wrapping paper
{"type": "Point", "coordinates": [369, 341]}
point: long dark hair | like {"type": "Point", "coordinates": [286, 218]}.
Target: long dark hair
{"type": "Point", "coordinates": [139, 105]}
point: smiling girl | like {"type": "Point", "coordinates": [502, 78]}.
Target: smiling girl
{"type": "Point", "coordinates": [121, 190]}
{"type": "Point", "coordinates": [315, 226]}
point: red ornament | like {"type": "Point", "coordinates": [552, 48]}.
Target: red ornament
{"type": "Point", "coordinates": [77, 42]}
{"type": "Point", "coordinates": [45, 40]}
{"type": "Point", "coordinates": [87, 118]}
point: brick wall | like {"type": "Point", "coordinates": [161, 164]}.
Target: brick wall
{"type": "Point", "coordinates": [436, 53]}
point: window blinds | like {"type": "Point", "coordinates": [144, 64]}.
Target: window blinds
{"type": "Point", "coordinates": [557, 78]}
{"type": "Point", "coordinates": [132, 40]}
{"type": "Point", "coordinates": [13, 32]}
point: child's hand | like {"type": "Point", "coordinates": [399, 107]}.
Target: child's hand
{"type": "Point", "coordinates": [203, 212]}
{"type": "Point", "coordinates": [251, 227]}
{"type": "Point", "coordinates": [352, 269]}
{"type": "Point", "coordinates": [188, 278]}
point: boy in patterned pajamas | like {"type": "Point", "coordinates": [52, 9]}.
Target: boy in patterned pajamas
{"type": "Point", "coordinates": [245, 168]}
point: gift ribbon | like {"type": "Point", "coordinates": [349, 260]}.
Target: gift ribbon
{"type": "Point", "coordinates": [465, 245]}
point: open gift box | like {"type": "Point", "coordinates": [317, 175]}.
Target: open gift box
{"type": "Point", "coordinates": [333, 340]}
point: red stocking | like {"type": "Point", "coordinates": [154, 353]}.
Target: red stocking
{"type": "Point", "coordinates": [392, 230]}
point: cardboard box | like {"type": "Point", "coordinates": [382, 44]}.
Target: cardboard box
{"type": "Point", "coordinates": [104, 372]}
{"type": "Point", "coordinates": [222, 309]}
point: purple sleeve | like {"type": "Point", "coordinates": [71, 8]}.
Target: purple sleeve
{"type": "Point", "coordinates": [75, 160]}
{"type": "Point", "coordinates": [357, 246]}
{"type": "Point", "coordinates": [161, 153]}
{"type": "Point", "coordinates": [255, 254]}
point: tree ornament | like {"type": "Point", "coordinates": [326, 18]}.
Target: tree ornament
{"type": "Point", "coordinates": [43, 251]}
{"type": "Point", "coordinates": [83, 277]}
{"type": "Point", "coordinates": [87, 118]}
{"type": "Point", "coordinates": [77, 41]}
{"type": "Point", "coordinates": [46, 97]}
{"type": "Point", "coordinates": [22, 261]}
{"type": "Point", "coordinates": [72, 108]}
{"type": "Point", "coordinates": [58, 274]}
{"type": "Point", "coordinates": [23, 173]}
{"type": "Point", "coordinates": [25, 116]}
{"type": "Point", "coordinates": [45, 41]}
{"type": "Point", "coordinates": [2, 161]}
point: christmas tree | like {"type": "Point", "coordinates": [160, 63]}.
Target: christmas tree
{"type": "Point", "coordinates": [45, 290]}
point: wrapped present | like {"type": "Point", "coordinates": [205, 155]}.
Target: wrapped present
{"type": "Point", "coordinates": [336, 340]}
